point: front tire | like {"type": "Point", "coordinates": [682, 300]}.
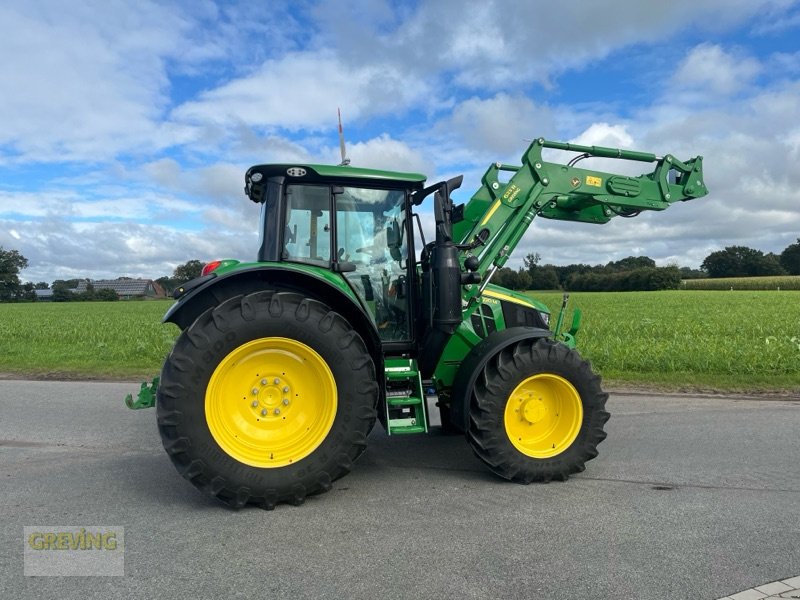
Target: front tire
{"type": "Point", "coordinates": [267, 398]}
{"type": "Point", "coordinates": [537, 412]}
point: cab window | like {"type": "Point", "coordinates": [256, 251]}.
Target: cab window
{"type": "Point", "coordinates": [307, 237]}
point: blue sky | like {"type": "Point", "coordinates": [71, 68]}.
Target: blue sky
{"type": "Point", "coordinates": [126, 127]}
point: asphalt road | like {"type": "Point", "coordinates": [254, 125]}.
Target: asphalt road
{"type": "Point", "coordinates": [689, 498]}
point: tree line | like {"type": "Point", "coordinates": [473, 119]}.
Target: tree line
{"type": "Point", "coordinates": [741, 261]}
{"type": "Point", "coordinates": [641, 272]}
{"type": "Point", "coordinates": [634, 273]}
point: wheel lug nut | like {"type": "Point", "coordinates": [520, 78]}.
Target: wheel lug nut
{"type": "Point", "coordinates": [277, 411]}
{"type": "Point", "coordinates": [255, 391]}
{"type": "Point", "coordinates": [285, 389]}
{"type": "Point", "coordinates": [286, 402]}
{"type": "Point", "coordinates": [277, 381]}
{"type": "Point", "coordinates": [255, 403]}
{"type": "Point", "coordinates": [264, 412]}
{"type": "Point", "coordinates": [263, 382]}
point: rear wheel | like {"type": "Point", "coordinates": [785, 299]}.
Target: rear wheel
{"type": "Point", "coordinates": [537, 412]}
{"type": "Point", "coordinates": [267, 398]}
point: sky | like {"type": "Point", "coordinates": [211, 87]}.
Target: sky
{"type": "Point", "coordinates": [126, 127]}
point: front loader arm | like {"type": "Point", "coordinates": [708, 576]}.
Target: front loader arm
{"type": "Point", "coordinates": [499, 214]}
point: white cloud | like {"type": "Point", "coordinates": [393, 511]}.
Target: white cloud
{"type": "Point", "coordinates": [164, 171]}
{"type": "Point", "coordinates": [134, 205]}
{"type": "Point", "coordinates": [384, 152]}
{"type": "Point", "coordinates": [302, 90]}
{"type": "Point", "coordinates": [708, 68]}
{"type": "Point", "coordinates": [785, 63]}
{"type": "Point", "coordinates": [95, 80]}
{"type": "Point", "coordinates": [58, 249]}
{"type": "Point", "coordinates": [503, 43]}
{"type": "Point", "coordinates": [605, 134]}
{"type": "Point", "coordinates": [217, 182]}
{"type": "Point", "coordinates": [777, 21]}
{"type": "Point", "coordinates": [77, 83]}
{"type": "Point", "coordinates": [498, 127]}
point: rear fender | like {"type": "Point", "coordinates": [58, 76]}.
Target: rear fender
{"type": "Point", "coordinates": [215, 290]}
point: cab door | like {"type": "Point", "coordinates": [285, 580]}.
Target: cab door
{"type": "Point", "coordinates": [371, 239]}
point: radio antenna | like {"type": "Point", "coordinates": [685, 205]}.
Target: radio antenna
{"type": "Point", "coordinates": [345, 160]}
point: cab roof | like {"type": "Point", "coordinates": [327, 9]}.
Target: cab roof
{"type": "Point", "coordinates": [258, 175]}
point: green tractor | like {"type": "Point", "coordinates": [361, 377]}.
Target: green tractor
{"type": "Point", "coordinates": [348, 317]}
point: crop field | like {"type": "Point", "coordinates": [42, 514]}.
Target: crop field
{"type": "Point", "coordinates": [78, 339]}
{"type": "Point", "coordinates": [745, 341]}
{"type": "Point", "coordinates": [679, 340]}
{"type": "Point", "coordinates": [777, 283]}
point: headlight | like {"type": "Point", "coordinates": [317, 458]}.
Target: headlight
{"type": "Point", "coordinates": [545, 317]}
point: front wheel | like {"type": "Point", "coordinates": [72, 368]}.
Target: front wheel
{"type": "Point", "coordinates": [537, 412]}
{"type": "Point", "coordinates": [266, 398]}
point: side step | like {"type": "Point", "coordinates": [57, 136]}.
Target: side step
{"type": "Point", "coordinates": [405, 398]}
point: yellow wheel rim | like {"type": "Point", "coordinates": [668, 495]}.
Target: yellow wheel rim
{"type": "Point", "coordinates": [271, 402]}
{"type": "Point", "coordinates": [543, 415]}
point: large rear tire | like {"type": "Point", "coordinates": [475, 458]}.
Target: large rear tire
{"type": "Point", "coordinates": [267, 398]}
{"type": "Point", "coordinates": [537, 412]}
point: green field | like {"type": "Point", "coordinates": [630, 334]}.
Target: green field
{"type": "Point", "coordinates": [78, 339]}
{"type": "Point", "coordinates": [745, 341]}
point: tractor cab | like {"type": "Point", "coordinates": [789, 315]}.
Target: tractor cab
{"type": "Point", "coordinates": [345, 220]}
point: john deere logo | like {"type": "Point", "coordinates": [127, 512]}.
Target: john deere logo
{"type": "Point", "coordinates": [575, 182]}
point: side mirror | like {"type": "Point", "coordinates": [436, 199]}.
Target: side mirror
{"type": "Point", "coordinates": [394, 240]}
